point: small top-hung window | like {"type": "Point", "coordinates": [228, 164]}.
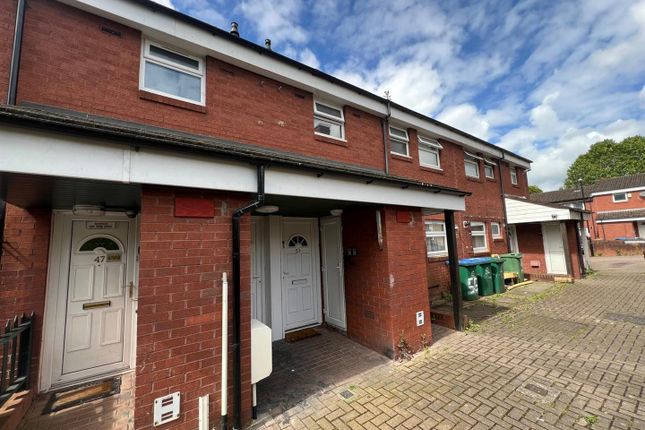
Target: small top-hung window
{"type": "Point", "coordinates": [399, 141]}
{"type": "Point", "coordinates": [429, 152]}
{"type": "Point", "coordinates": [170, 73]}
{"type": "Point", "coordinates": [329, 121]}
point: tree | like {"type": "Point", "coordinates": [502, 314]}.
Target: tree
{"type": "Point", "coordinates": [534, 189]}
{"type": "Point", "coordinates": [608, 159]}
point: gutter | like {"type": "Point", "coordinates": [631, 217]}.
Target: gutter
{"type": "Point", "coordinates": [237, 328]}
{"type": "Point", "coordinates": [501, 188]}
{"type": "Point", "coordinates": [15, 54]}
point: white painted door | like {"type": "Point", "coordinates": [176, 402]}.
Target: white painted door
{"type": "Point", "coordinates": [641, 229]}
{"type": "Point", "coordinates": [95, 314]}
{"type": "Point", "coordinates": [258, 289]}
{"type": "Point", "coordinates": [554, 249]}
{"type": "Point", "coordinates": [331, 241]}
{"type": "Point", "coordinates": [512, 233]}
{"type": "Point", "coordinates": [300, 303]}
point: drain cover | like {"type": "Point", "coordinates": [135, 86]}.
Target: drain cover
{"type": "Point", "coordinates": [346, 394]}
{"type": "Point", "coordinates": [539, 392]}
{"type": "Point", "coordinates": [625, 318]}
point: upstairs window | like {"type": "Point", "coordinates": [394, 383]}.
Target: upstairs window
{"type": "Point", "coordinates": [329, 121]}
{"type": "Point", "coordinates": [169, 73]}
{"type": "Point", "coordinates": [478, 236]}
{"type": "Point", "coordinates": [436, 238]}
{"type": "Point", "coordinates": [620, 197]}
{"type": "Point", "coordinates": [514, 175]}
{"type": "Point", "coordinates": [399, 141]}
{"type": "Point", "coordinates": [489, 170]}
{"type": "Point", "coordinates": [472, 166]}
{"type": "Point", "coordinates": [429, 152]}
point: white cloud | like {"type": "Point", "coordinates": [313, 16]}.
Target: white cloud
{"type": "Point", "coordinates": [275, 20]}
{"type": "Point", "coordinates": [167, 3]}
{"type": "Point", "coordinates": [466, 117]}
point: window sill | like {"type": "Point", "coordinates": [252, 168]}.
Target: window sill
{"type": "Point", "coordinates": [437, 170]}
{"type": "Point", "coordinates": [396, 156]}
{"type": "Point", "coordinates": [498, 239]}
{"type": "Point", "coordinates": [332, 140]}
{"type": "Point", "coordinates": [145, 95]}
{"type": "Point", "coordinates": [473, 179]}
{"type": "Point", "coordinates": [515, 185]}
{"type": "Point", "coordinates": [491, 179]}
{"type": "Point", "coordinates": [479, 252]}
{"type": "Point", "coordinates": [437, 258]}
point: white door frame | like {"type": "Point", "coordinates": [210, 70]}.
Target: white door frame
{"type": "Point", "coordinates": [56, 296]}
{"type": "Point", "coordinates": [325, 265]}
{"type": "Point", "coordinates": [547, 249]}
{"type": "Point", "coordinates": [258, 248]}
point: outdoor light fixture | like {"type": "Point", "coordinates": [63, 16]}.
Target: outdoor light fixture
{"type": "Point", "coordinates": [268, 209]}
{"type": "Point", "coordinates": [379, 230]}
{"type": "Point", "coordinates": [336, 212]}
{"type": "Point", "coordinates": [88, 210]}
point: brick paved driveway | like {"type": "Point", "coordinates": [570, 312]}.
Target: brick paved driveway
{"type": "Point", "coordinates": [569, 357]}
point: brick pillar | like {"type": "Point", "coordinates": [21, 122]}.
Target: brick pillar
{"type": "Point", "coordinates": [385, 286]}
{"type": "Point", "coordinates": [179, 313]}
{"type": "Point", "coordinates": [23, 270]}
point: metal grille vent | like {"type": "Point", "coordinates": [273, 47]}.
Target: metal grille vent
{"type": "Point", "coordinates": [166, 408]}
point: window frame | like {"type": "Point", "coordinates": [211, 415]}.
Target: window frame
{"type": "Point", "coordinates": [472, 160]}
{"type": "Point", "coordinates": [399, 139]}
{"type": "Point", "coordinates": [147, 56]}
{"type": "Point", "coordinates": [492, 167]}
{"type": "Point", "coordinates": [483, 233]}
{"type": "Point", "coordinates": [499, 234]}
{"type": "Point", "coordinates": [430, 145]}
{"type": "Point", "coordinates": [514, 175]}
{"type": "Point", "coordinates": [613, 197]}
{"type": "Point", "coordinates": [436, 234]}
{"type": "Point", "coordinates": [323, 116]}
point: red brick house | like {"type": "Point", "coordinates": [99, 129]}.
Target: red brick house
{"type": "Point", "coordinates": [134, 138]}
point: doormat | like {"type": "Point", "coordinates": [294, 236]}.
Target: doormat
{"type": "Point", "coordinates": [295, 336]}
{"type": "Point", "coordinates": [82, 394]}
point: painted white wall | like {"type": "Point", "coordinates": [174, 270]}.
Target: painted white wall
{"type": "Point", "coordinates": [40, 153]}
{"type": "Point", "coordinates": [523, 211]}
{"type": "Point", "coordinates": [201, 42]}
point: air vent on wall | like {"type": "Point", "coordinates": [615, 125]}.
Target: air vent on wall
{"type": "Point", "coordinates": [166, 408]}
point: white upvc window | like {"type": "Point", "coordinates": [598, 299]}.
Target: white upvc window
{"type": "Point", "coordinates": [514, 175]}
{"type": "Point", "coordinates": [429, 152]}
{"type": "Point", "coordinates": [472, 166]}
{"type": "Point", "coordinates": [478, 236]}
{"type": "Point", "coordinates": [329, 120]}
{"type": "Point", "coordinates": [168, 72]}
{"type": "Point", "coordinates": [399, 141]}
{"type": "Point", "coordinates": [489, 169]}
{"type": "Point", "coordinates": [496, 230]}
{"type": "Point", "coordinates": [619, 197]}
{"type": "Point", "coordinates": [436, 238]}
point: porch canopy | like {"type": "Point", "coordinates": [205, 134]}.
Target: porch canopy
{"type": "Point", "coordinates": [67, 145]}
{"type": "Point", "coordinates": [520, 211]}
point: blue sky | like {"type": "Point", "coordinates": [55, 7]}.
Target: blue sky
{"type": "Point", "coordinates": [544, 79]}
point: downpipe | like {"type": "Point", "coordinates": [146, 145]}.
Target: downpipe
{"type": "Point", "coordinates": [224, 372]}
{"type": "Point", "coordinates": [15, 54]}
{"type": "Point", "coordinates": [237, 329]}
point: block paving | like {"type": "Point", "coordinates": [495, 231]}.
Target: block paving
{"type": "Point", "coordinates": [555, 359]}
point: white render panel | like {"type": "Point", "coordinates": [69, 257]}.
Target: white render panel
{"type": "Point", "coordinates": [41, 153]}
{"type": "Point", "coordinates": [519, 212]}
{"type": "Point", "coordinates": [202, 42]}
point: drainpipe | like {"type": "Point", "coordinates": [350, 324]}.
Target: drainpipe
{"type": "Point", "coordinates": [3, 211]}
{"type": "Point", "coordinates": [386, 123]}
{"type": "Point", "coordinates": [501, 190]}
{"type": "Point", "coordinates": [15, 55]}
{"type": "Point", "coordinates": [237, 353]}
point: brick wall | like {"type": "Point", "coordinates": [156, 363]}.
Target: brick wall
{"type": "Point", "coordinates": [529, 240]}
{"type": "Point", "coordinates": [607, 248]}
{"type": "Point", "coordinates": [23, 270]}
{"type": "Point", "coordinates": [7, 25]}
{"type": "Point", "coordinates": [574, 250]}
{"type": "Point", "coordinates": [179, 314]}
{"type": "Point", "coordinates": [611, 231]}
{"type": "Point", "coordinates": [385, 287]}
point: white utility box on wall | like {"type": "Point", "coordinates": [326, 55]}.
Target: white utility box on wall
{"type": "Point", "coordinates": [261, 353]}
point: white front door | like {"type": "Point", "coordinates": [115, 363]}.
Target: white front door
{"type": "Point", "coordinates": [331, 241]}
{"type": "Point", "coordinates": [258, 288]}
{"type": "Point", "coordinates": [554, 249]}
{"type": "Point", "coordinates": [91, 306]}
{"type": "Point", "coordinates": [301, 306]}
{"type": "Point", "coordinates": [641, 229]}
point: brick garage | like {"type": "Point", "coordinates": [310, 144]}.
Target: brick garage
{"type": "Point", "coordinates": [179, 314]}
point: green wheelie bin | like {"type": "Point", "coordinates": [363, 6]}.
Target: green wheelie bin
{"type": "Point", "coordinates": [468, 278]}
{"type": "Point", "coordinates": [485, 276]}
{"type": "Point", "coordinates": [497, 268]}
{"type": "Point", "coordinates": [513, 263]}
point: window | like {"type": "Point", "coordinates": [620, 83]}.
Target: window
{"type": "Point", "coordinates": [577, 205]}
{"type": "Point", "coordinates": [399, 141]}
{"type": "Point", "coordinates": [620, 197]}
{"type": "Point", "coordinates": [513, 175]}
{"type": "Point", "coordinates": [496, 230]}
{"type": "Point", "coordinates": [478, 235]}
{"type": "Point", "coordinates": [329, 121]}
{"type": "Point", "coordinates": [297, 241]}
{"type": "Point", "coordinates": [99, 242]}
{"type": "Point", "coordinates": [489, 170]}
{"type": "Point", "coordinates": [172, 74]}
{"type": "Point", "coordinates": [429, 152]}
{"type": "Point", "coordinates": [472, 167]}
{"type": "Point", "coordinates": [436, 238]}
